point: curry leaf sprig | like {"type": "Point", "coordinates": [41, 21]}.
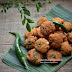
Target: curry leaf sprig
{"type": "Point", "coordinates": [20, 5]}
{"type": "Point", "coordinates": [39, 4]}
{"type": "Point", "coordinates": [22, 9]}
{"type": "Point", "coordinates": [25, 12]}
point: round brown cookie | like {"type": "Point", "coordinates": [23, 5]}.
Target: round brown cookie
{"type": "Point", "coordinates": [65, 48]}
{"type": "Point", "coordinates": [55, 40]}
{"type": "Point", "coordinates": [34, 56]}
{"type": "Point", "coordinates": [32, 33]}
{"type": "Point", "coordinates": [70, 37]}
{"type": "Point", "coordinates": [61, 32]}
{"type": "Point", "coordinates": [42, 45]}
{"type": "Point", "coordinates": [47, 28]}
{"type": "Point", "coordinates": [39, 34]}
{"type": "Point", "coordinates": [29, 42]}
{"type": "Point", "coordinates": [41, 20]}
{"type": "Point", "coordinates": [68, 25]}
{"type": "Point", "coordinates": [54, 56]}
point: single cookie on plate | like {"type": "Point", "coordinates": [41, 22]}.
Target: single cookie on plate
{"type": "Point", "coordinates": [30, 41]}
{"type": "Point", "coordinates": [54, 56]}
{"type": "Point", "coordinates": [47, 28]}
{"type": "Point", "coordinates": [42, 45]}
{"type": "Point", "coordinates": [68, 25]}
{"type": "Point", "coordinates": [65, 48]}
{"type": "Point", "coordinates": [34, 56]}
{"type": "Point", "coordinates": [41, 20]}
{"type": "Point", "coordinates": [55, 40]}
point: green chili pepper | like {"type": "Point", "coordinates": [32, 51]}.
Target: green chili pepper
{"type": "Point", "coordinates": [60, 25]}
{"type": "Point", "coordinates": [18, 50]}
{"type": "Point", "coordinates": [56, 23]}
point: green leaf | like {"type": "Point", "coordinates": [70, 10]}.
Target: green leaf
{"type": "Point", "coordinates": [11, 59]}
{"type": "Point", "coordinates": [21, 11]}
{"type": "Point", "coordinates": [28, 27]}
{"type": "Point", "coordinates": [39, 3]}
{"type": "Point", "coordinates": [23, 7]}
{"type": "Point", "coordinates": [27, 12]}
{"type": "Point", "coordinates": [33, 0]}
{"type": "Point", "coordinates": [37, 8]}
{"type": "Point", "coordinates": [21, 16]}
{"type": "Point", "coordinates": [30, 21]}
{"type": "Point", "coordinates": [49, 1]}
{"type": "Point", "coordinates": [21, 2]}
{"type": "Point", "coordinates": [10, 6]}
{"type": "Point", "coordinates": [23, 21]}
{"type": "Point", "coordinates": [1, 11]}
{"type": "Point", "coordinates": [5, 10]}
{"type": "Point", "coordinates": [25, 17]}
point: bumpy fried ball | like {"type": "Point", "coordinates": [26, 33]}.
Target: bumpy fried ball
{"type": "Point", "coordinates": [70, 37]}
{"type": "Point", "coordinates": [53, 55]}
{"type": "Point", "coordinates": [58, 20]}
{"type": "Point", "coordinates": [65, 48]}
{"type": "Point", "coordinates": [55, 40]}
{"type": "Point", "coordinates": [41, 20]}
{"type": "Point", "coordinates": [63, 34]}
{"type": "Point", "coordinates": [32, 33]}
{"type": "Point", "coordinates": [68, 25]}
{"type": "Point", "coordinates": [39, 34]}
{"type": "Point", "coordinates": [29, 42]}
{"type": "Point", "coordinates": [42, 45]}
{"type": "Point", "coordinates": [34, 56]}
{"type": "Point", "coordinates": [47, 28]}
